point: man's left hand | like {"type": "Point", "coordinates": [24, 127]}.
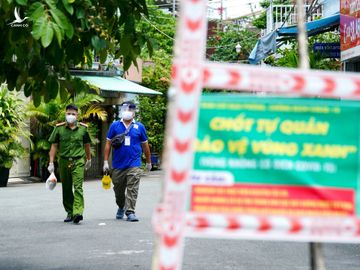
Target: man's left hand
{"type": "Point", "coordinates": [88, 164]}
{"type": "Point", "coordinates": [148, 167]}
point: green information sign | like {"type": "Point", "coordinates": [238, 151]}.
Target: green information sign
{"type": "Point", "coordinates": [290, 156]}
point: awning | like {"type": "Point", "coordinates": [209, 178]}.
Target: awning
{"type": "Point", "coordinates": [265, 45]}
{"type": "Point", "coordinates": [313, 28]}
{"type": "Point", "coordinates": [117, 84]}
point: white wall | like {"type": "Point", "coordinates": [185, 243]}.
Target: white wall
{"type": "Point", "coordinates": [21, 167]}
{"type": "Point", "coordinates": [330, 7]}
{"type": "Point", "coordinates": [134, 73]}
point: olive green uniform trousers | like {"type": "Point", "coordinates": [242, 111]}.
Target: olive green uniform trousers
{"type": "Point", "coordinates": [72, 175]}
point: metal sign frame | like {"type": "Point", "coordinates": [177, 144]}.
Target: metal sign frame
{"type": "Point", "coordinates": [190, 74]}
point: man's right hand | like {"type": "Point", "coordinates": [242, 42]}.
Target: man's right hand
{"type": "Point", "coordinates": [106, 167]}
{"type": "Point", "coordinates": [51, 167]}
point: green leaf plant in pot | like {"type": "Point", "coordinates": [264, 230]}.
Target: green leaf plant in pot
{"type": "Point", "coordinates": [13, 130]}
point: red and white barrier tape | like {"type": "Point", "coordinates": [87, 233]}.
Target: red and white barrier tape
{"type": "Point", "coordinates": [280, 80]}
{"type": "Point", "coordinates": [325, 229]}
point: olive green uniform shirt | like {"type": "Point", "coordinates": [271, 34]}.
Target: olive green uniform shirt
{"type": "Point", "coordinates": [70, 141]}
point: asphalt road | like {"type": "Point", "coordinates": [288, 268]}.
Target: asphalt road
{"type": "Point", "coordinates": [34, 236]}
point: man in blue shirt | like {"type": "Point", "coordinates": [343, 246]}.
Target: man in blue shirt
{"type": "Point", "coordinates": [126, 160]}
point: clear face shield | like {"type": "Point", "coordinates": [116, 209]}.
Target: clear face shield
{"type": "Point", "coordinates": [127, 111]}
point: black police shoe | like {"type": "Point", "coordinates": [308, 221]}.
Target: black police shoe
{"type": "Point", "coordinates": [68, 219]}
{"type": "Point", "coordinates": [77, 218]}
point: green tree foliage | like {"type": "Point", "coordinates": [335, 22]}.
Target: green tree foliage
{"type": "Point", "coordinates": [223, 43]}
{"type": "Point", "coordinates": [12, 127]}
{"type": "Point", "coordinates": [287, 56]}
{"type": "Point", "coordinates": [153, 109]}
{"type": "Point", "coordinates": [160, 28]}
{"type": "Point", "coordinates": [260, 21]}
{"type": "Point", "coordinates": [156, 74]}
{"type": "Point", "coordinates": [59, 34]}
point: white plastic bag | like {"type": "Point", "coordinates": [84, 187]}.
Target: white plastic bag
{"type": "Point", "coordinates": [51, 182]}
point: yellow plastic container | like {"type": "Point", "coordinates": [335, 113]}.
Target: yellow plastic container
{"type": "Point", "coordinates": [106, 181]}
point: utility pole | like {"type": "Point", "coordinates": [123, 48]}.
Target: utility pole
{"type": "Point", "coordinates": [302, 35]}
{"type": "Point", "coordinates": [221, 11]}
{"type": "Point", "coordinates": [252, 9]}
{"type": "Point", "coordinates": [316, 257]}
{"type": "Point", "coordinates": [270, 18]}
{"type": "Point", "coordinates": [174, 6]}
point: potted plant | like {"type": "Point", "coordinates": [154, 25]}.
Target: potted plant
{"type": "Point", "coordinates": [12, 131]}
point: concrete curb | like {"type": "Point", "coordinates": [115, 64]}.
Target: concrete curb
{"type": "Point", "coordinates": [32, 179]}
{"type": "Point", "coordinates": [23, 180]}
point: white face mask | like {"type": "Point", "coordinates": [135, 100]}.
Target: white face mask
{"type": "Point", "coordinates": [127, 115]}
{"type": "Point", "coordinates": [71, 119]}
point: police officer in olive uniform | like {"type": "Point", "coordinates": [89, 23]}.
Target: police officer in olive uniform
{"type": "Point", "coordinates": [72, 142]}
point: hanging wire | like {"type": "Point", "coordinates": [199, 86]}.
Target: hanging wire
{"type": "Point", "coordinates": [210, 47]}
{"type": "Point", "coordinates": [157, 29]}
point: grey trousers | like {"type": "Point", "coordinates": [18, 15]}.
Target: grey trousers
{"type": "Point", "coordinates": [126, 186]}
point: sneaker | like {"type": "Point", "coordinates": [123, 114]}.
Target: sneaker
{"type": "Point", "coordinates": [68, 218]}
{"type": "Point", "coordinates": [77, 218]}
{"type": "Point", "coordinates": [131, 217]}
{"type": "Point", "coordinates": [120, 213]}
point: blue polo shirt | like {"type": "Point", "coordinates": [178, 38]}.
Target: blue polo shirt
{"type": "Point", "coordinates": [127, 155]}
